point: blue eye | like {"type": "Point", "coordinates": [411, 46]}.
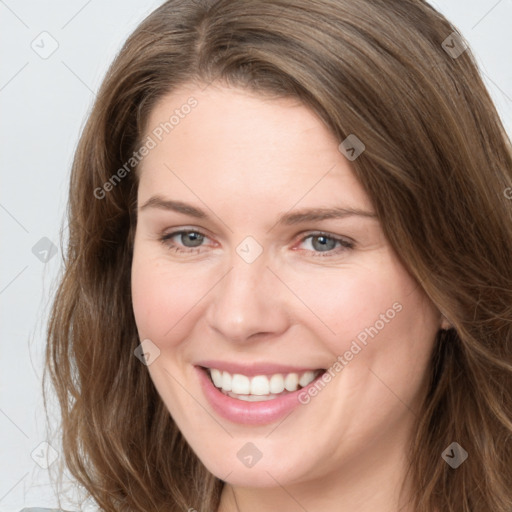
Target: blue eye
{"type": "Point", "coordinates": [325, 243]}
{"type": "Point", "coordinates": [187, 238]}
{"type": "Point", "coordinates": [191, 238]}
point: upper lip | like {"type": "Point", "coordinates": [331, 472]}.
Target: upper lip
{"type": "Point", "coordinates": [253, 369]}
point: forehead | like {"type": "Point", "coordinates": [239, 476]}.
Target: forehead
{"type": "Point", "coordinates": [234, 142]}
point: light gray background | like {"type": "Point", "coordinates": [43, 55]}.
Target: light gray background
{"type": "Point", "coordinates": [44, 103]}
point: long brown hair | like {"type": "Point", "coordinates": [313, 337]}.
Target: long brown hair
{"type": "Point", "coordinates": [437, 164]}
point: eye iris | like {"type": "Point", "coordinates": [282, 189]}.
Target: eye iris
{"type": "Point", "coordinates": [325, 243]}
{"type": "Point", "coordinates": [195, 239]}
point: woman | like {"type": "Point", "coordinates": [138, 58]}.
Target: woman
{"type": "Point", "coordinates": [288, 281]}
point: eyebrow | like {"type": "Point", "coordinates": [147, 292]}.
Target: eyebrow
{"type": "Point", "coordinates": [289, 218]}
{"type": "Point", "coordinates": [175, 206]}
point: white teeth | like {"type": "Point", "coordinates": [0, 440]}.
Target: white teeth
{"type": "Point", "coordinates": [306, 378]}
{"type": "Point", "coordinates": [277, 383]}
{"type": "Point", "coordinates": [226, 381]}
{"type": "Point", "coordinates": [216, 377]}
{"type": "Point", "coordinates": [240, 384]}
{"type": "Point", "coordinates": [291, 382]}
{"type": "Point", "coordinates": [251, 398]}
{"type": "Point", "coordinates": [260, 387]}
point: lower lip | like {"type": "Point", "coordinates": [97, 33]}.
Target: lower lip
{"type": "Point", "coordinates": [249, 413]}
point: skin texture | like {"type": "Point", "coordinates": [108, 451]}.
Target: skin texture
{"type": "Point", "coordinates": [245, 160]}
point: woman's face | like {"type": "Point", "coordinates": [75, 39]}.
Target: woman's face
{"type": "Point", "coordinates": [283, 272]}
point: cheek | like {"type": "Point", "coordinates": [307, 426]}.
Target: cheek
{"type": "Point", "coordinates": [376, 311]}
{"type": "Point", "coordinates": [164, 298]}
{"type": "Point", "coordinates": [342, 302]}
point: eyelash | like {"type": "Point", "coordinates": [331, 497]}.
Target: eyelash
{"type": "Point", "coordinates": [345, 244]}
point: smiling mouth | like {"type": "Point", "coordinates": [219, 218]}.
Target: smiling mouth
{"type": "Point", "coordinates": [260, 387]}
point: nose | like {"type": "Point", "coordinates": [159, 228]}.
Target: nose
{"type": "Point", "coordinates": [248, 303]}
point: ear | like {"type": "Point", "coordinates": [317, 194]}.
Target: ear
{"type": "Point", "coordinates": [445, 324]}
